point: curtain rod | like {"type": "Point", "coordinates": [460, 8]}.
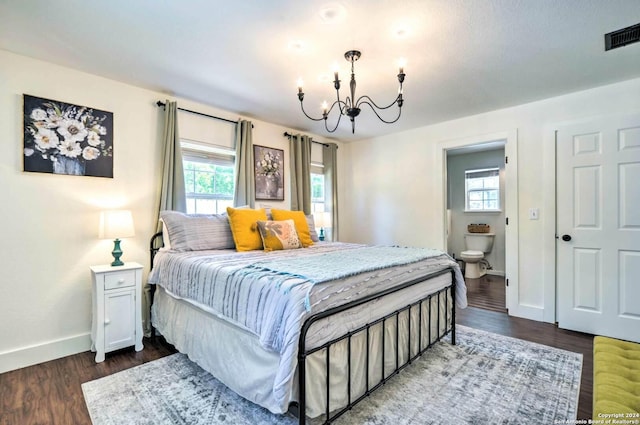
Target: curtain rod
{"type": "Point", "coordinates": [286, 134]}
{"type": "Point", "coordinates": [162, 104]}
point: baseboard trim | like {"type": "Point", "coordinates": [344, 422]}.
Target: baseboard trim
{"type": "Point", "coordinates": [40, 353]}
{"type": "Point", "coordinates": [496, 273]}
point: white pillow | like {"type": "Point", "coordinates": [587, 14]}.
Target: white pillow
{"type": "Point", "coordinates": [312, 228]}
{"type": "Point", "coordinates": [166, 240]}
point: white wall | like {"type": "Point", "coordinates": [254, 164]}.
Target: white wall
{"type": "Point", "coordinates": [396, 190]}
{"type": "Point", "coordinates": [49, 236]}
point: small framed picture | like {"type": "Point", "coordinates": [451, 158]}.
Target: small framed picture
{"type": "Point", "coordinates": [269, 173]}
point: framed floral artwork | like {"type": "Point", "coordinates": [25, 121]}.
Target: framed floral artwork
{"type": "Point", "coordinates": [62, 138]}
{"type": "Point", "coordinates": [269, 173]}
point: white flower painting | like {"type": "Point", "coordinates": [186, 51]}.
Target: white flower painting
{"type": "Point", "coordinates": [269, 173]}
{"type": "Point", "coordinates": [63, 138]}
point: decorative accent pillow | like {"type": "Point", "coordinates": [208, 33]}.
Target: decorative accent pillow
{"type": "Point", "coordinates": [277, 235]}
{"type": "Point", "coordinates": [300, 221]}
{"type": "Point", "coordinates": [195, 232]}
{"type": "Point", "coordinates": [244, 227]}
{"type": "Point", "coordinates": [312, 228]}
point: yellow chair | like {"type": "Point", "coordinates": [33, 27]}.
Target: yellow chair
{"type": "Point", "coordinates": [616, 379]}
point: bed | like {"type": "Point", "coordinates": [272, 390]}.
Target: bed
{"type": "Point", "coordinates": [311, 331]}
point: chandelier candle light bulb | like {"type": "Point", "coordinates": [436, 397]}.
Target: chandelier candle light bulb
{"type": "Point", "coordinates": [350, 106]}
{"type": "Point", "coordinates": [402, 62]}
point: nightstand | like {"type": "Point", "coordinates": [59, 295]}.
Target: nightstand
{"type": "Point", "coordinates": [117, 310]}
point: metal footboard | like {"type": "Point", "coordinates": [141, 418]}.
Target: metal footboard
{"type": "Point", "coordinates": [418, 347]}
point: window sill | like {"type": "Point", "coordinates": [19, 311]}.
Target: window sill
{"type": "Point", "coordinates": [483, 211]}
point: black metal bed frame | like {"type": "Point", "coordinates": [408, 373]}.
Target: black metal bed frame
{"type": "Point", "coordinates": [303, 352]}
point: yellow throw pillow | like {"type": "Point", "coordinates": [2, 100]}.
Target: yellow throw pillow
{"type": "Point", "coordinates": [278, 235]}
{"type": "Point", "coordinates": [300, 221]}
{"type": "Point", "coordinates": [244, 227]}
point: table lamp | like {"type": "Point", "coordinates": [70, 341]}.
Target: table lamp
{"type": "Point", "coordinates": [321, 220]}
{"type": "Point", "coordinates": [115, 224]}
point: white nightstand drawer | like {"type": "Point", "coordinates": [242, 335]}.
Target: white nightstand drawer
{"type": "Point", "coordinates": [121, 279]}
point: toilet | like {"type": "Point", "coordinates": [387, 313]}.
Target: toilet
{"type": "Point", "coordinates": [477, 245]}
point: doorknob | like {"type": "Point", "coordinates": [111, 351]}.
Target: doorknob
{"type": "Point", "coordinates": [566, 238]}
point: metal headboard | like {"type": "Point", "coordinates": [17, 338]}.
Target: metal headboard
{"type": "Point", "coordinates": [154, 246]}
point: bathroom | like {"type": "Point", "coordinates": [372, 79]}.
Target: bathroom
{"type": "Point", "coordinates": [475, 196]}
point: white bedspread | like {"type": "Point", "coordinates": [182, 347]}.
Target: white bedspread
{"type": "Point", "coordinates": [233, 286]}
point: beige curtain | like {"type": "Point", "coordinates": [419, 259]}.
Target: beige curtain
{"type": "Point", "coordinates": [172, 191]}
{"type": "Point", "coordinates": [245, 191]}
{"type": "Point", "coordinates": [300, 177]}
{"type": "Point", "coordinates": [330, 162]}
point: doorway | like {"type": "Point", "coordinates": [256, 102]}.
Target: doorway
{"type": "Point", "coordinates": [475, 201]}
{"type": "Point", "coordinates": [508, 141]}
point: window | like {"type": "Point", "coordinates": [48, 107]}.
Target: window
{"type": "Point", "coordinates": [317, 192]}
{"type": "Point", "coordinates": [482, 188]}
{"type": "Point", "coordinates": [209, 177]}
{"type": "Point", "coordinates": [317, 188]}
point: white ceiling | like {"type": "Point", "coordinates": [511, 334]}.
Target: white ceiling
{"type": "Point", "coordinates": [463, 57]}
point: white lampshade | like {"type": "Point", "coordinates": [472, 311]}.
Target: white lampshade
{"type": "Point", "coordinates": [115, 224]}
{"type": "Point", "coordinates": [322, 219]}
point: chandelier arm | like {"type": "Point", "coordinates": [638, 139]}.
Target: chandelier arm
{"type": "Point", "coordinates": [334, 128]}
{"type": "Point", "coordinates": [365, 98]}
{"type": "Point", "coordinates": [340, 106]}
{"type": "Point", "coordinates": [338, 101]}
{"type": "Point", "coordinates": [333, 105]}
{"type": "Point", "coordinates": [307, 115]}
{"type": "Point", "coordinates": [378, 115]}
{"type": "Point", "coordinates": [344, 105]}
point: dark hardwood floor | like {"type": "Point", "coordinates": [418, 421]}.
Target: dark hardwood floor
{"type": "Point", "coordinates": [50, 393]}
{"type": "Point", "coordinates": [487, 292]}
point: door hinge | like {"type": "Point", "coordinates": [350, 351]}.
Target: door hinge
{"type": "Point", "coordinates": [506, 159]}
{"type": "Point", "coordinates": [507, 281]}
{"type": "Point", "coordinates": [507, 221]}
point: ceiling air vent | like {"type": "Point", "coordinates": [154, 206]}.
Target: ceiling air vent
{"type": "Point", "coordinates": [622, 37]}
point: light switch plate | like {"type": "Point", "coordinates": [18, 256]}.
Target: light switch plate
{"type": "Point", "coordinates": [534, 213]}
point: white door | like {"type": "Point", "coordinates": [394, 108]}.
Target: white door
{"type": "Point", "coordinates": [598, 226]}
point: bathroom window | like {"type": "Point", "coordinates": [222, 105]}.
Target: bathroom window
{"type": "Point", "coordinates": [482, 188]}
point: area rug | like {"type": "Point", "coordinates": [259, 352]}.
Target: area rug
{"type": "Point", "coordinates": [484, 379]}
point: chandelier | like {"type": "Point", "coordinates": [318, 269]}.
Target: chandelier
{"type": "Point", "coordinates": [351, 107]}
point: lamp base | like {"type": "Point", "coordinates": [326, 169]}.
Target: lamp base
{"type": "Point", "coordinates": [117, 253]}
